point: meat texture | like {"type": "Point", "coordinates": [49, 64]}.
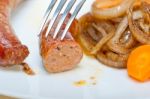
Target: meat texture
{"type": "Point", "coordinates": [12, 51]}
{"type": "Point", "coordinates": [60, 55]}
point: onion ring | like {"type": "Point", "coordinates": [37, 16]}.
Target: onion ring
{"type": "Point", "coordinates": [137, 33]}
{"type": "Point", "coordinates": [100, 29]}
{"type": "Point", "coordinates": [146, 9]}
{"type": "Point", "coordinates": [92, 33]}
{"type": "Point", "coordinates": [114, 43]}
{"type": "Point", "coordinates": [104, 39]}
{"type": "Point", "coordinates": [112, 12]}
{"type": "Point", "coordinates": [83, 37]}
{"type": "Point", "coordinates": [127, 40]}
{"type": "Point", "coordinates": [112, 59]}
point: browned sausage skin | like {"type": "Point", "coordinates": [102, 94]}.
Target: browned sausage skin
{"type": "Point", "coordinates": [57, 55]}
{"type": "Point", "coordinates": [12, 52]}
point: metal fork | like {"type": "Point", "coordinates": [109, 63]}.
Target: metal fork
{"type": "Point", "coordinates": [51, 20]}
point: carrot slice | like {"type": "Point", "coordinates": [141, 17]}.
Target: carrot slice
{"type": "Point", "coordinates": [138, 64]}
{"type": "Point", "coordinates": [107, 3]}
{"type": "Point", "coordinates": [103, 4]}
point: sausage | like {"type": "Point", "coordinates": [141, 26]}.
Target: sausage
{"type": "Point", "coordinates": [60, 55]}
{"type": "Point", "coordinates": [12, 52]}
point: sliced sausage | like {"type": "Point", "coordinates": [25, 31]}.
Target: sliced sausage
{"type": "Point", "coordinates": [12, 51]}
{"type": "Point", "coordinates": [60, 55]}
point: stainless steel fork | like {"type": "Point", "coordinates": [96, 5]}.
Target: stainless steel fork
{"type": "Point", "coordinates": [47, 19]}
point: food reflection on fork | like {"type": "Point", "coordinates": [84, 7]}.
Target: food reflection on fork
{"type": "Point", "coordinates": [59, 51]}
{"type": "Point", "coordinates": [48, 17]}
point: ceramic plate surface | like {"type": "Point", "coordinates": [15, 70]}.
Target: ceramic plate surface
{"type": "Point", "coordinates": [98, 81]}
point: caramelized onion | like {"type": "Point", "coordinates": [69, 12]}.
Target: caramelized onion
{"type": "Point", "coordinates": [136, 31]}
{"type": "Point", "coordinates": [100, 29]}
{"type": "Point", "coordinates": [104, 39]}
{"type": "Point", "coordinates": [85, 40]}
{"type": "Point", "coordinates": [114, 44]}
{"type": "Point", "coordinates": [112, 59]}
{"type": "Point", "coordinates": [92, 33]}
{"type": "Point", "coordinates": [113, 12]}
{"type": "Point", "coordinates": [112, 40]}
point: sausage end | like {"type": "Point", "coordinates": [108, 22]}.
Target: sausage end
{"type": "Point", "coordinates": [65, 55]}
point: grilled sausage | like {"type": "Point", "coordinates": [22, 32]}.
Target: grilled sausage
{"type": "Point", "coordinates": [57, 55]}
{"type": "Point", "coordinates": [12, 52]}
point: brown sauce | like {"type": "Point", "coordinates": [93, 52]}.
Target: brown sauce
{"type": "Point", "coordinates": [27, 69]}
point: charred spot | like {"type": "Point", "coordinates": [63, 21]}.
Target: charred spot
{"type": "Point", "coordinates": [58, 48]}
{"type": "Point", "coordinates": [71, 47]}
{"type": "Point", "coordinates": [104, 52]}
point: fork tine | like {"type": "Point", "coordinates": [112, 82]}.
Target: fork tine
{"type": "Point", "coordinates": [47, 13]}
{"type": "Point", "coordinates": [63, 17]}
{"type": "Point", "coordinates": [72, 18]}
{"type": "Point", "coordinates": [49, 9]}
{"type": "Point", "coordinates": [55, 15]}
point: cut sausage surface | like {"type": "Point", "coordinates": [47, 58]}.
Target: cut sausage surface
{"type": "Point", "coordinates": [60, 55]}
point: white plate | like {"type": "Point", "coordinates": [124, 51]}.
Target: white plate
{"type": "Point", "coordinates": [110, 83]}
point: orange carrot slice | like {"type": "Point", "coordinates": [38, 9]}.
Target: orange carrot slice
{"type": "Point", "coordinates": [103, 4]}
{"type": "Point", "coordinates": [107, 3]}
{"type": "Point", "coordinates": [138, 64]}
